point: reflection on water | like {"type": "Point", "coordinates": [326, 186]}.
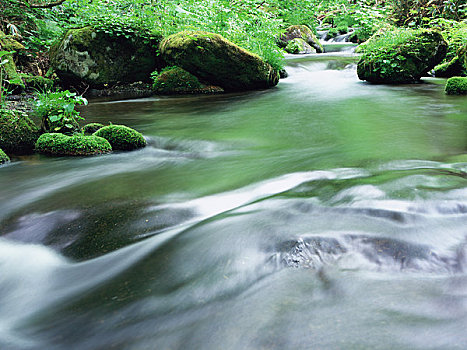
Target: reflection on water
{"type": "Point", "coordinates": [326, 213]}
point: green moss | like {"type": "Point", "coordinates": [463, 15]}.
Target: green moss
{"type": "Point", "coordinates": [18, 133]}
{"type": "Point", "coordinates": [98, 58]}
{"type": "Point", "coordinates": [77, 145]}
{"type": "Point", "coordinates": [456, 67]}
{"type": "Point", "coordinates": [91, 128]}
{"type": "Point", "coordinates": [400, 56]}
{"type": "Point", "coordinates": [176, 80]}
{"type": "Point", "coordinates": [218, 61]}
{"type": "Point", "coordinates": [3, 157]}
{"type": "Point", "coordinates": [9, 44]}
{"type": "Point", "coordinates": [456, 86]}
{"type": "Point", "coordinates": [299, 46]}
{"type": "Point", "coordinates": [37, 82]}
{"type": "Point", "coordinates": [121, 137]}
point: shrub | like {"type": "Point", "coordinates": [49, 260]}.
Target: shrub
{"type": "Point", "coordinates": [121, 137]}
{"type": "Point", "coordinates": [56, 111]}
{"type": "Point", "coordinates": [77, 145]}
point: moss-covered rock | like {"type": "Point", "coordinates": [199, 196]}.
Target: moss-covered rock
{"type": "Point", "coordinates": [77, 145]}
{"type": "Point", "coordinates": [37, 82]}
{"type": "Point", "coordinates": [3, 157]}
{"type": "Point", "coordinates": [97, 58]}
{"type": "Point", "coordinates": [401, 56]}
{"type": "Point", "coordinates": [91, 128]}
{"type": "Point", "coordinates": [301, 32]}
{"type": "Point", "coordinates": [18, 133]}
{"type": "Point", "coordinates": [456, 86]}
{"type": "Point", "coordinates": [218, 61]}
{"type": "Point", "coordinates": [7, 43]}
{"type": "Point", "coordinates": [176, 80]}
{"type": "Point", "coordinates": [456, 67]}
{"type": "Point", "coordinates": [299, 46]}
{"type": "Point", "coordinates": [121, 137]}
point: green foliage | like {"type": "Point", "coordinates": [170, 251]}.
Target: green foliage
{"type": "Point", "coordinates": [456, 86]}
{"type": "Point", "coordinates": [57, 111]}
{"type": "Point", "coordinates": [414, 13]}
{"type": "Point", "coordinates": [3, 157]}
{"type": "Point", "coordinates": [121, 137]}
{"type": "Point", "coordinates": [18, 133]}
{"type": "Point", "coordinates": [246, 23]}
{"type": "Point", "coordinates": [76, 145]}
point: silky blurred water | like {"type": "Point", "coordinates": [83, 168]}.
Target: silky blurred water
{"type": "Point", "coordinates": [325, 213]}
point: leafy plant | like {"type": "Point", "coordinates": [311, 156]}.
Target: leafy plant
{"type": "Point", "coordinates": [57, 111]}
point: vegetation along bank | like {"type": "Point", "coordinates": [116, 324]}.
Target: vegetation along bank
{"type": "Point", "coordinates": [54, 53]}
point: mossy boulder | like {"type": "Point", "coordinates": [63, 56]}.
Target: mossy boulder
{"type": "Point", "coordinates": [299, 46]}
{"type": "Point", "coordinates": [456, 86]}
{"type": "Point", "coordinates": [176, 80]}
{"type": "Point", "coordinates": [3, 157]}
{"type": "Point", "coordinates": [91, 128]}
{"type": "Point", "coordinates": [121, 137]}
{"type": "Point", "coordinates": [18, 133]}
{"type": "Point", "coordinates": [8, 43]}
{"type": "Point", "coordinates": [98, 58]}
{"type": "Point", "coordinates": [37, 82]}
{"type": "Point", "coordinates": [217, 61]}
{"type": "Point", "coordinates": [301, 32]}
{"type": "Point", "coordinates": [456, 67]}
{"type": "Point", "coordinates": [401, 56]}
{"type": "Point", "coordinates": [57, 144]}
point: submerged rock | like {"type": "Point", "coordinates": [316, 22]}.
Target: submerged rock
{"type": "Point", "coordinates": [216, 60]}
{"type": "Point", "coordinates": [456, 86]}
{"type": "Point", "coordinates": [301, 32]}
{"type": "Point", "coordinates": [176, 80]}
{"type": "Point", "coordinates": [299, 46]}
{"type": "Point", "coordinates": [3, 157]}
{"type": "Point", "coordinates": [18, 133]}
{"type": "Point", "coordinates": [121, 137]}
{"type": "Point", "coordinates": [401, 56]}
{"type": "Point", "coordinates": [91, 128]}
{"type": "Point", "coordinates": [77, 145]}
{"type": "Point", "coordinates": [97, 58]}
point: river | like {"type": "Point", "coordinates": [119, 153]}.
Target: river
{"type": "Point", "coordinates": [325, 213]}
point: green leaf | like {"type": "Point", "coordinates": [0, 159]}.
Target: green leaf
{"type": "Point", "coordinates": [54, 118]}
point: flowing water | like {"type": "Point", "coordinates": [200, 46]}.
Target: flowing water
{"type": "Point", "coordinates": [325, 213]}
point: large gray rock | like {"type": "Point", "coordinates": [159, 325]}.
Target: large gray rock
{"type": "Point", "coordinates": [97, 58]}
{"type": "Point", "coordinates": [300, 32]}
